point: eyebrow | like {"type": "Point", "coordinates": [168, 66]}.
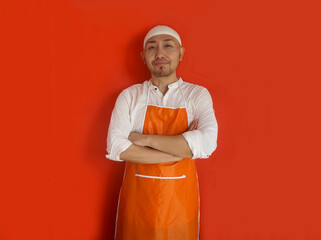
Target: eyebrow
{"type": "Point", "coordinates": [165, 40]}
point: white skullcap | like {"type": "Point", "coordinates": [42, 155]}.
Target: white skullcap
{"type": "Point", "coordinates": [162, 29]}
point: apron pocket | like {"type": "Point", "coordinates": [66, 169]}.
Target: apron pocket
{"type": "Point", "coordinates": [157, 177]}
{"type": "Point", "coordinates": [160, 201]}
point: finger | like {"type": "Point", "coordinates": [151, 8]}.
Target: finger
{"type": "Point", "coordinates": [131, 136]}
{"type": "Point", "coordinates": [191, 126]}
{"type": "Point", "coordinates": [195, 125]}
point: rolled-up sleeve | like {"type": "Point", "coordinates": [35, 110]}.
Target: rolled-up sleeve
{"type": "Point", "coordinates": [203, 140]}
{"type": "Point", "coordinates": [119, 128]}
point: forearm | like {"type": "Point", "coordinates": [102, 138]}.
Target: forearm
{"type": "Point", "coordinates": [138, 154]}
{"type": "Point", "coordinates": [175, 145]}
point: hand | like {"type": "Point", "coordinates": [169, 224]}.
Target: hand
{"type": "Point", "coordinates": [193, 125]}
{"type": "Point", "coordinates": [138, 139]}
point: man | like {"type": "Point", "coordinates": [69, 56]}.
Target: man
{"type": "Point", "coordinates": [159, 128]}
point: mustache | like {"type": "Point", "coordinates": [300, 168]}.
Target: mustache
{"type": "Point", "coordinates": [160, 61]}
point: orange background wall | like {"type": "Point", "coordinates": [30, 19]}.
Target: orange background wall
{"type": "Point", "coordinates": [65, 62]}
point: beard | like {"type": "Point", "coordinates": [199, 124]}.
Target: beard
{"type": "Point", "coordinates": [162, 72]}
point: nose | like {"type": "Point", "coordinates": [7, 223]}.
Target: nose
{"type": "Point", "coordinates": [159, 53]}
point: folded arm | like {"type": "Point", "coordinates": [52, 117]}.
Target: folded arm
{"type": "Point", "coordinates": [199, 141]}
{"type": "Point", "coordinates": [138, 154]}
{"type": "Point", "coordinates": [175, 145]}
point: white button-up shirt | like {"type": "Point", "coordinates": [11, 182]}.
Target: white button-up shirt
{"type": "Point", "coordinates": [130, 107]}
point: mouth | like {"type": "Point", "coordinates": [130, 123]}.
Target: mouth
{"type": "Point", "coordinates": [160, 63]}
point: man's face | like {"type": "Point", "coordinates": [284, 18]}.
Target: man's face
{"type": "Point", "coordinates": [162, 55]}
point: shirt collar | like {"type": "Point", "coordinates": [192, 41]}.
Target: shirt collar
{"type": "Point", "coordinates": [172, 85]}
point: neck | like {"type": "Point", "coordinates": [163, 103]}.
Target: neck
{"type": "Point", "coordinates": [163, 82]}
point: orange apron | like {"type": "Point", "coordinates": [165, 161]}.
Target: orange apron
{"type": "Point", "coordinates": [160, 201]}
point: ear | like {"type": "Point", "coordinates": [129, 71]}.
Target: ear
{"type": "Point", "coordinates": [143, 56]}
{"type": "Point", "coordinates": [181, 53]}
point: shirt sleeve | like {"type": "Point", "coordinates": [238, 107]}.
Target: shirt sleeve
{"type": "Point", "coordinates": [119, 128]}
{"type": "Point", "coordinates": [203, 140]}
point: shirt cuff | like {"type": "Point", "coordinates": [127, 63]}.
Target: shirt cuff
{"type": "Point", "coordinates": [194, 140]}
{"type": "Point", "coordinates": [117, 149]}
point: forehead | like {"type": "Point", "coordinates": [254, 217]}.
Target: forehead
{"type": "Point", "coordinates": [162, 38]}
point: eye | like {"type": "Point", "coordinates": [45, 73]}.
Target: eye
{"type": "Point", "coordinates": [168, 45]}
{"type": "Point", "coordinates": [151, 47]}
